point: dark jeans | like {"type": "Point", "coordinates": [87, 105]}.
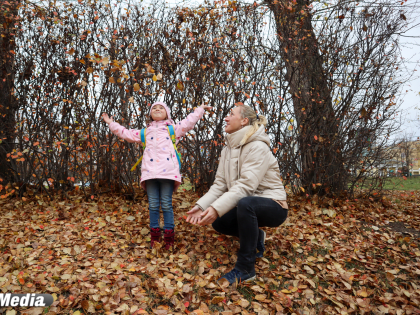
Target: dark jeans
{"type": "Point", "coordinates": [244, 221]}
{"type": "Point", "coordinates": [159, 193]}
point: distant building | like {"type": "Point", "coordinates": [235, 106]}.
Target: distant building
{"type": "Point", "coordinates": [404, 159]}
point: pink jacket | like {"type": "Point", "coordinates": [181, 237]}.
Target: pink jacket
{"type": "Point", "coordinates": [159, 158]}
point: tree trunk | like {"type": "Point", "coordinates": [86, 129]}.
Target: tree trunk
{"type": "Point", "coordinates": [317, 127]}
{"type": "Point", "coordinates": [8, 102]}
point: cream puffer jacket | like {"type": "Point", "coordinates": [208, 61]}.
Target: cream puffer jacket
{"type": "Point", "coordinates": [244, 170]}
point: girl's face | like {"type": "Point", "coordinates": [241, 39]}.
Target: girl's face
{"type": "Point", "coordinates": [158, 113]}
{"type": "Point", "coordinates": [234, 121]}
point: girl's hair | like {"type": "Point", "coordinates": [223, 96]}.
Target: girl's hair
{"type": "Point", "coordinates": [248, 112]}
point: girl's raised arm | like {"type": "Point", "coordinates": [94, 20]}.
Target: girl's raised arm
{"type": "Point", "coordinates": [130, 135]}
{"type": "Point", "coordinates": [185, 125]}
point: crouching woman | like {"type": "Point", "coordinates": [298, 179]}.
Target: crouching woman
{"type": "Point", "coordinates": [247, 193]}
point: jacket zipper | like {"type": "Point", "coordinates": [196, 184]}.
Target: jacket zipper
{"type": "Point", "coordinates": [172, 159]}
{"type": "Point", "coordinates": [154, 146]}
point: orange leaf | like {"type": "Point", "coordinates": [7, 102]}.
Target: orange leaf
{"type": "Point", "coordinates": [21, 281]}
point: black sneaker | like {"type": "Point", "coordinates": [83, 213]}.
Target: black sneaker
{"type": "Point", "coordinates": [239, 276]}
{"type": "Point", "coordinates": [260, 244]}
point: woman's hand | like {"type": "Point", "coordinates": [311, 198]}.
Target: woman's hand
{"type": "Point", "coordinates": [205, 107]}
{"type": "Point", "coordinates": [208, 216]}
{"type": "Point", "coordinates": [106, 118]}
{"type": "Point", "coordinates": [194, 215]}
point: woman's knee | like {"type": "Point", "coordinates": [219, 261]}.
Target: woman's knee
{"type": "Point", "coordinates": [245, 202]}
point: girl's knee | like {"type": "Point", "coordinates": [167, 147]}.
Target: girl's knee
{"type": "Point", "coordinates": [167, 206]}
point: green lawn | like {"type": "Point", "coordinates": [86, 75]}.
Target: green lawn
{"type": "Point", "coordinates": [398, 183]}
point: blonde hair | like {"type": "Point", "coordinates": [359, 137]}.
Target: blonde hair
{"type": "Point", "coordinates": [248, 112]}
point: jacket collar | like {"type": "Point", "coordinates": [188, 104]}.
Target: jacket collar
{"type": "Point", "coordinates": [233, 139]}
{"type": "Point", "coordinates": [165, 122]}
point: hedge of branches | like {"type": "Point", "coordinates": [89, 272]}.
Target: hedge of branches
{"type": "Point", "coordinates": [74, 61]}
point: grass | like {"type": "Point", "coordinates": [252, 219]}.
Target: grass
{"type": "Point", "coordinates": [186, 185]}
{"type": "Point", "coordinates": [398, 183]}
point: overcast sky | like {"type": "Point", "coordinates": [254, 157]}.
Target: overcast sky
{"type": "Point", "coordinates": [411, 52]}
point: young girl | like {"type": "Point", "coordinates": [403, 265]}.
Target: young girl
{"type": "Point", "coordinates": [160, 173]}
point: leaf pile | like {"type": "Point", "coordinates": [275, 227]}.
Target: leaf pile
{"type": "Point", "coordinates": [338, 257]}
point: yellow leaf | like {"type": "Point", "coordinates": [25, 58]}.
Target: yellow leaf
{"type": "Point", "coordinates": [154, 78]}
{"type": "Point", "coordinates": [136, 87]}
{"type": "Point", "coordinates": [112, 80]}
{"type": "Point", "coordinates": [183, 101]}
{"type": "Point", "coordinates": [362, 293]}
{"type": "Point", "coordinates": [180, 86]}
{"type": "Point", "coordinates": [260, 297]}
{"type": "Point", "coordinates": [76, 313]}
{"type": "Point", "coordinates": [286, 291]}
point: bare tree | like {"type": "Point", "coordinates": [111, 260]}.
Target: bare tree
{"type": "Point", "coordinates": [9, 22]}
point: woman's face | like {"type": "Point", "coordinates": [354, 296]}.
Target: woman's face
{"type": "Point", "coordinates": [234, 121]}
{"type": "Point", "coordinates": [158, 113]}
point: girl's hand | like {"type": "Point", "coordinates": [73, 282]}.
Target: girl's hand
{"type": "Point", "coordinates": [106, 118]}
{"type": "Point", "coordinates": [205, 107]}
{"type": "Point", "coordinates": [208, 216]}
{"type": "Point", "coordinates": [194, 215]}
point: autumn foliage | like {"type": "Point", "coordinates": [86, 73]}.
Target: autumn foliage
{"type": "Point", "coordinates": [334, 257]}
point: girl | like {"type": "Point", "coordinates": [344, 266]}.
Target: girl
{"type": "Point", "coordinates": [160, 173]}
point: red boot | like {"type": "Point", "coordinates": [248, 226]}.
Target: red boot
{"type": "Point", "coordinates": [169, 237]}
{"type": "Point", "coordinates": [156, 236]}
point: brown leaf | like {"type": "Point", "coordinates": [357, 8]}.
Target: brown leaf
{"type": "Point", "coordinates": [33, 311]}
{"type": "Point", "coordinates": [217, 299]}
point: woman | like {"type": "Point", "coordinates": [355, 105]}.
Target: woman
{"type": "Point", "coordinates": [247, 192]}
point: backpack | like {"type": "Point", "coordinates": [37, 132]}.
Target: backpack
{"type": "Point", "coordinates": [171, 132]}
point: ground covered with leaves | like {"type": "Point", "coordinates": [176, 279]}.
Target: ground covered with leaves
{"type": "Point", "coordinates": [329, 257]}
